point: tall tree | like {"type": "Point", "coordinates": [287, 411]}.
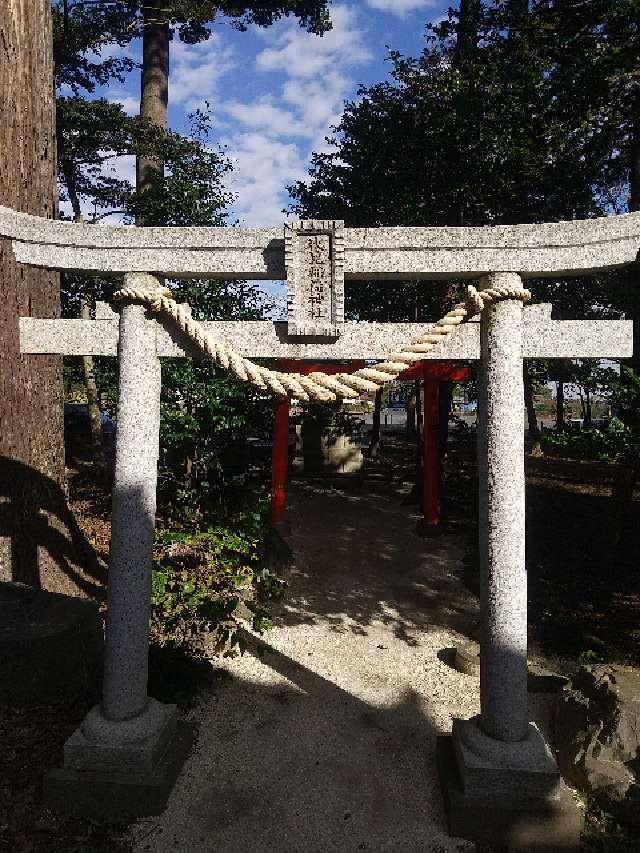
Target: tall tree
{"type": "Point", "coordinates": [31, 428]}
{"type": "Point", "coordinates": [160, 18]}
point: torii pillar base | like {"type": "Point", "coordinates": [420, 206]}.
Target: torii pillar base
{"type": "Point", "coordinates": [110, 795]}
{"type": "Point", "coordinates": [514, 819]}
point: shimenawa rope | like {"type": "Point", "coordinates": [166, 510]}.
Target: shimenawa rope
{"type": "Point", "coordinates": [318, 385]}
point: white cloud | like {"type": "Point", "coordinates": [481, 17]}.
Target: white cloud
{"type": "Point", "coordinates": [402, 7]}
{"type": "Point", "coordinates": [130, 103]}
{"type": "Point", "coordinates": [280, 130]}
{"type": "Point", "coordinates": [302, 54]}
{"type": "Point", "coordinates": [263, 114]}
{"type": "Point", "coordinates": [262, 168]}
{"type": "Point", "coordinates": [196, 70]}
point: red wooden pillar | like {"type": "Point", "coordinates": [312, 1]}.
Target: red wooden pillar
{"type": "Point", "coordinates": [431, 450]}
{"type": "Point", "coordinates": [280, 458]}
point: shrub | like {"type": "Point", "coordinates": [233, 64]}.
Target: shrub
{"type": "Point", "coordinates": [603, 445]}
{"type": "Point", "coordinates": [212, 581]}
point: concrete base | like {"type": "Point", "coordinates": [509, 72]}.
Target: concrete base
{"type": "Point", "coordinates": [117, 796]}
{"type": "Point", "coordinates": [486, 764]}
{"type": "Point", "coordinates": [516, 821]}
{"type": "Point", "coordinates": [124, 746]}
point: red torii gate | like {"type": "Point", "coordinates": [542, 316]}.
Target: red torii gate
{"type": "Point", "coordinates": [431, 372]}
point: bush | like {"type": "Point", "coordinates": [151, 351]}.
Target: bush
{"type": "Point", "coordinates": [603, 445]}
{"type": "Point", "coordinates": [212, 581]}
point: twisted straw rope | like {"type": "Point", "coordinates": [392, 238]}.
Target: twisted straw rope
{"type": "Point", "coordinates": [318, 385]}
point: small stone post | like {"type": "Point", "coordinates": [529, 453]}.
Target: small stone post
{"type": "Point", "coordinates": [503, 660]}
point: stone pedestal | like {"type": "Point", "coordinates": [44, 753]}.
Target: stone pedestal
{"type": "Point", "coordinates": [124, 758]}
{"type": "Point", "coordinates": [500, 781]}
{"type": "Point", "coordinates": [330, 442]}
{"type": "Point", "coordinates": [499, 799]}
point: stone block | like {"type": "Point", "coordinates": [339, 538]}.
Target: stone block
{"type": "Point", "coordinates": [126, 746]}
{"type": "Point", "coordinates": [509, 819]}
{"type": "Point", "coordinates": [533, 250]}
{"type": "Point", "coordinates": [314, 260]}
{"type": "Point", "coordinates": [598, 733]}
{"type": "Point", "coordinates": [118, 795]}
{"type": "Point", "coordinates": [484, 763]}
{"type": "Point", "coordinates": [51, 647]}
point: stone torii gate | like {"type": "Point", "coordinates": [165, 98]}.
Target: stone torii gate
{"type": "Point", "coordinates": [499, 778]}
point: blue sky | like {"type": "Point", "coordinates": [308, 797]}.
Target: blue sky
{"type": "Point", "coordinates": [275, 92]}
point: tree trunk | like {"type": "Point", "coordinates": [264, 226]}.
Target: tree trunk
{"type": "Point", "coordinates": [154, 87]}
{"type": "Point", "coordinates": [559, 406]}
{"type": "Point", "coordinates": [374, 447]}
{"type": "Point", "coordinates": [411, 415]}
{"type": "Point", "coordinates": [532, 421]}
{"type": "Point", "coordinates": [582, 407]}
{"type": "Point", "coordinates": [467, 31]}
{"type": "Point", "coordinates": [93, 399]}
{"type": "Point", "coordinates": [445, 402]}
{"type": "Point", "coordinates": [31, 412]}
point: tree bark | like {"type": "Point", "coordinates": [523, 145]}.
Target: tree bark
{"type": "Point", "coordinates": [31, 411]}
{"type": "Point", "coordinates": [559, 406]}
{"type": "Point", "coordinates": [154, 88]}
{"type": "Point", "coordinates": [93, 399]}
{"type": "Point", "coordinates": [374, 447]}
{"type": "Point", "coordinates": [532, 421]}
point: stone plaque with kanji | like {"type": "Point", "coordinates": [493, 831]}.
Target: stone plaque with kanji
{"type": "Point", "coordinates": [314, 260]}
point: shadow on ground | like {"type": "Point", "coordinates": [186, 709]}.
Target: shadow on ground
{"type": "Point", "coordinates": [359, 560]}
{"type": "Point", "coordinates": [288, 760]}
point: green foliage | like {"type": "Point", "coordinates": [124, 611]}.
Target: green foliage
{"type": "Point", "coordinates": [589, 657]}
{"type": "Point", "coordinates": [212, 580]}
{"type": "Point", "coordinates": [604, 445]}
{"type": "Point", "coordinates": [518, 112]}
{"type": "Point", "coordinates": [604, 833]}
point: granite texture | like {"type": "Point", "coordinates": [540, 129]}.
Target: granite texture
{"type": "Point", "coordinates": [503, 580]}
{"type": "Point", "coordinates": [543, 338]}
{"type": "Point", "coordinates": [508, 821]}
{"type": "Point", "coordinates": [567, 248]}
{"type": "Point", "coordinates": [133, 518]}
{"type": "Point", "coordinates": [123, 740]}
{"type": "Point", "coordinates": [314, 263]}
{"type": "Point", "coordinates": [126, 746]}
{"type": "Point", "coordinates": [484, 763]}
{"type": "Point", "coordinates": [115, 796]}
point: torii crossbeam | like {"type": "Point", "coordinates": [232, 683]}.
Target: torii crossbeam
{"type": "Point", "coordinates": [499, 777]}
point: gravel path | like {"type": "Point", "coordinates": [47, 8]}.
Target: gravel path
{"type": "Point", "coordinates": [326, 740]}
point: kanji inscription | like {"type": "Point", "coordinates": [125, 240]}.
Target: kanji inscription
{"type": "Point", "coordinates": [314, 253]}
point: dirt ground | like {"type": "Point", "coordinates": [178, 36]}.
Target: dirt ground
{"type": "Point", "coordinates": [376, 589]}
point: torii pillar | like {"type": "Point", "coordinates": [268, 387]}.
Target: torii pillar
{"type": "Point", "coordinates": [432, 374]}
